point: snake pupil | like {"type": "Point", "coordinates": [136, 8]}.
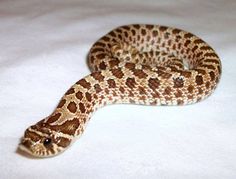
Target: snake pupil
{"type": "Point", "coordinates": [47, 142]}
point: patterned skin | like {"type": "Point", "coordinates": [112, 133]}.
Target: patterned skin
{"type": "Point", "coordinates": [139, 64]}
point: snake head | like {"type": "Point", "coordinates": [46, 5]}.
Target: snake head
{"type": "Point", "coordinates": [40, 141]}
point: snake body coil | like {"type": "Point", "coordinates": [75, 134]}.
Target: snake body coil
{"type": "Point", "coordinates": [141, 64]}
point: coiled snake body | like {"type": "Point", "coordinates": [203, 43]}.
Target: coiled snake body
{"type": "Point", "coordinates": [141, 64]}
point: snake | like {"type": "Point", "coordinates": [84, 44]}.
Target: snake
{"type": "Point", "coordinates": [142, 64]}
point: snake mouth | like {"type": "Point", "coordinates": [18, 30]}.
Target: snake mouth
{"type": "Point", "coordinates": [25, 146]}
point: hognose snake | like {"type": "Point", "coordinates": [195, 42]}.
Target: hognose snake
{"type": "Point", "coordinates": [141, 64]}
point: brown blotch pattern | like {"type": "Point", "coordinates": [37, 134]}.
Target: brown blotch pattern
{"type": "Point", "coordinates": [97, 88]}
{"type": "Point", "coordinates": [207, 84]}
{"type": "Point", "coordinates": [190, 88]}
{"type": "Point", "coordinates": [70, 91]}
{"type": "Point", "coordinates": [154, 33]}
{"type": "Point", "coordinates": [84, 83]}
{"type": "Point", "coordinates": [136, 26]}
{"type": "Point", "coordinates": [199, 80]}
{"type": "Point", "coordinates": [117, 73]}
{"type": "Point", "coordinates": [139, 73]}
{"type": "Point", "coordinates": [63, 142]}
{"type": "Point", "coordinates": [101, 56]}
{"type": "Point", "coordinates": [143, 32]}
{"type": "Point", "coordinates": [111, 83]}
{"type": "Point", "coordinates": [130, 66]}
{"type": "Point", "coordinates": [114, 63]}
{"type": "Point", "coordinates": [72, 107]}
{"type": "Point", "coordinates": [88, 96]}
{"type": "Point", "coordinates": [178, 82]}
{"type": "Point", "coordinates": [82, 108]}
{"type": "Point", "coordinates": [97, 76]}
{"type": "Point", "coordinates": [153, 83]}
{"type": "Point", "coordinates": [141, 90]}
{"type": "Point", "coordinates": [79, 95]}
{"type": "Point", "coordinates": [68, 127]}
{"type": "Point", "coordinates": [178, 94]}
{"type": "Point", "coordinates": [130, 82]}
{"type": "Point", "coordinates": [61, 103]}
{"type": "Point", "coordinates": [180, 102]}
{"type": "Point", "coordinates": [212, 75]}
{"type": "Point", "coordinates": [200, 91]}
{"type": "Point", "coordinates": [102, 66]}
{"type": "Point", "coordinates": [54, 118]}
{"type": "Point", "coordinates": [167, 91]}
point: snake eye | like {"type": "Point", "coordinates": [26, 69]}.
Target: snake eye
{"type": "Point", "coordinates": [47, 142]}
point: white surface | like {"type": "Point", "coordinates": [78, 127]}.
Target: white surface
{"type": "Point", "coordinates": [43, 48]}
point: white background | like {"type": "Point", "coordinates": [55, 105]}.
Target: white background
{"type": "Point", "coordinates": [43, 48]}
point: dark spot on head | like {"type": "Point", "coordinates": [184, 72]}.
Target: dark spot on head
{"type": "Point", "coordinates": [53, 118]}
{"type": "Point", "coordinates": [63, 142]}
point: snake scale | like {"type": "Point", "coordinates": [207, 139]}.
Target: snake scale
{"type": "Point", "coordinates": [139, 64]}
